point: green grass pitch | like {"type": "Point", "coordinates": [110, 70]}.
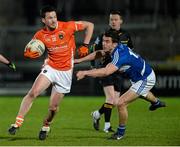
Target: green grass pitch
{"type": "Point", "coordinates": [73, 124]}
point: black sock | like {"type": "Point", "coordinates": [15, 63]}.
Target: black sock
{"type": "Point", "coordinates": [107, 111]}
{"type": "Point", "coordinates": [101, 110]}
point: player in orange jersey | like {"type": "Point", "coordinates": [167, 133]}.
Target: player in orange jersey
{"type": "Point", "coordinates": [59, 40]}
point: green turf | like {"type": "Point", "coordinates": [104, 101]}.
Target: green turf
{"type": "Point", "coordinates": [73, 125]}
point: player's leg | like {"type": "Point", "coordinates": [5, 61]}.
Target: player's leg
{"type": "Point", "coordinates": [107, 107]}
{"type": "Point", "coordinates": [61, 85]}
{"type": "Point", "coordinates": [41, 83]}
{"type": "Point", "coordinates": [123, 102]}
{"type": "Point", "coordinates": [55, 99]}
{"type": "Point", "coordinates": [141, 87]}
{"type": "Point", "coordinates": [107, 83]}
{"type": "Point", "coordinates": [112, 96]}
{"type": "Point", "coordinates": [149, 96]}
{"type": "Point", "coordinates": [155, 102]}
{"type": "Point", "coordinates": [112, 87]}
{"type": "Point", "coordinates": [112, 93]}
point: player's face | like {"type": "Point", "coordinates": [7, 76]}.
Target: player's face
{"type": "Point", "coordinates": [115, 21]}
{"type": "Point", "coordinates": [107, 43]}
{"type": "Point", "coordinates": [50, 20]}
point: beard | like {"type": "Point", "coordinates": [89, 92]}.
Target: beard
{"type": "Point", "coordinates": [52, 27]}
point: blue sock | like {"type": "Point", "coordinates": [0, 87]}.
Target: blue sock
{"type": "Point", "coordinates": [121, 130]}
{"type": "Point", "coordinates": [156, 103]}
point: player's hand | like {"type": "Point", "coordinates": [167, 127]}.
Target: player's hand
{"type": "Point", "coordinates": [80, 75]}
{"type": "Point", "coordinates": [83, 50]}
{"type": "Point", "coordinates": [12, 66]}
{"type": "Point", "coordinates": [31, 54]}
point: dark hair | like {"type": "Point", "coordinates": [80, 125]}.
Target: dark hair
{"type": "Point", "coordinates": [113, 34]}
{"type": "Point", "coordinates": [45, 9]}
{"type": "Point", "coordinates": [115, 12]}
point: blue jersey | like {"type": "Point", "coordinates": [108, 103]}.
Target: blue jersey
{"type": "Point", "coordinates": [130, 64]}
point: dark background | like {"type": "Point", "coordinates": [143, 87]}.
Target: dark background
{"type": "Point", "coordinates": [153, 24]}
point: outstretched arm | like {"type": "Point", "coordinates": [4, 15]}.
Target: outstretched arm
{"type": "Point", "coordinates": [90, 57]}
{"type": "Point", "coordinates": [4, 60]}
{"type": "Point", "coordinates": [101, 72]}
{"type": "Point", "coordinates": [10, 64]}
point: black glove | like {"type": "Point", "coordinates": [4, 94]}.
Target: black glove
{"type": "Point", "coordinates": [12, 66]}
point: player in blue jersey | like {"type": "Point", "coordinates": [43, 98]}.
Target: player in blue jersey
{"type": "Point", "coordinates": [112, 83]}
{"type": "Point", "coordinates": [125, 61]}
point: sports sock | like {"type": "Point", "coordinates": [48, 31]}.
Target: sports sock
{"type": "Point", "coordinates": [101, 110]}
{"type": "Point", "coordinates": [46, 123]}
{"type": "Point", "coordinates": [121, 130]}
{"type": "Point", "coordinates": [107, 111]}
{"type": "Point", "coordinates": [157, 102]}
{"type": "Point", "coordinates": [107, 125]}
{"type": "Point", "coordinates": [49, 118]}
{"type": "Point", "coordinates": [19, 121]}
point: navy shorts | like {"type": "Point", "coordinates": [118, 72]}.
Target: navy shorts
{"type": "Point", "coordinates": [114, 79]}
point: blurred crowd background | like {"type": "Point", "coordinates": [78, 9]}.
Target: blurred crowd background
{"type": "Point", "coordinates": [154, 26]}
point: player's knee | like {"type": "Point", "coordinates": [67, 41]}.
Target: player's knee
{"type": "Point", "coordinates": [121, 103]}
{"type": "Point", "coordinates": [115, 103]}
{"type": "Point", "coordinates": [110, 100]}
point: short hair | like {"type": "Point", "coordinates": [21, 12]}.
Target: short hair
{"type": "Point", "coordinates": [115, 12]}
{"type": "Point", "coordinates": [113, 34]}
{"type": "Point", "coordinates": [45, 9]}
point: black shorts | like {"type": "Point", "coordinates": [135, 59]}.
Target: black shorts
{"type": "Point", "coordinates": [114, 79]}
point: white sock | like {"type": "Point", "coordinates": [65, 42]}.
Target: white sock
{"type": "Point", "coordinates": [107, 125]}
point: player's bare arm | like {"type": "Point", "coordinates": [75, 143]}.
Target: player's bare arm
{"type": "Point", "coordinates": [89, 27]}
{"type": "Point", "coordinates": [90, 57]}
{"type": "Point", "coordinates": [101, 72]}
{"type": "Point", "coordinates": [3, 59]}
{"type": "Point", "coordinates": [10, 64]}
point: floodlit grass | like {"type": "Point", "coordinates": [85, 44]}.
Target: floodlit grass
{"type": "Point", "coordinates": [73, 124]}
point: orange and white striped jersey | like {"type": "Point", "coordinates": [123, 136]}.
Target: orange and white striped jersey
{"type": "Point", "coordinates": [60, 44]}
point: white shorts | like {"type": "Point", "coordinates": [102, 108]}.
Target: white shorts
{"type": "Point", "coordinates": [142, 87]}
{"type": "Point", "coordinates": [61, 80]}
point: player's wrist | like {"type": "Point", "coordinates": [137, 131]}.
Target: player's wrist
{"type": "Point", "coordinates": [9, 64]}
{"type": "Point", "coordinates": [85, 44]}
{"type": "Point", "coordinates": [85, 73]}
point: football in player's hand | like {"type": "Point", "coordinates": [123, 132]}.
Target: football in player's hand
{"type": "Point", "coordinates": [36, 46]}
